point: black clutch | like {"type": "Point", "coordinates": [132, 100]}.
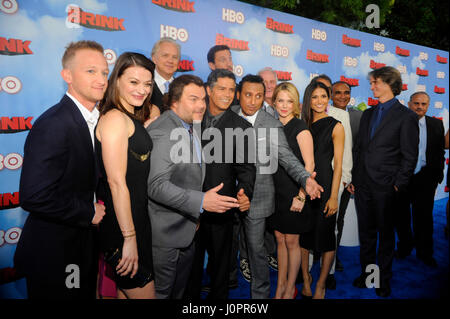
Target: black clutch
{"type": "Point", "coordinates": [143, 275]}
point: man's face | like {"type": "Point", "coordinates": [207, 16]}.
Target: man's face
{"type": "Point", "coordinates": [191, 106]}
{"type": "Point", "coordinates": [380, 89]}
{"type": "Point", "coordinates": [221, 95]}
{"type": "Point", "coordinates": [222, 60]}
{"type": "Point", "coordinates": [86, 75]}
{"type": "Point", "coordinates": [341, 95]}
{"type": "Point", "coordinates": [166, 59]}
{"type": "Point", "coordinates": [251, 97]}
{"type": "Point", "coordinates": [270, 81]}
{"type": "Point", "coordinates": [419, 104]}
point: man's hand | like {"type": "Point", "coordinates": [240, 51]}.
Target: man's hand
{"type": "Point", "coordinates": [351, 188]}
{"type": "Point", "coordinates": [312, 188]}
{"type": "Point", "coordinates": [99, 213]}
{"type": "Point", "coordinates": [216, 203]}
{"type": "Point", "coordinates": [244, 202]}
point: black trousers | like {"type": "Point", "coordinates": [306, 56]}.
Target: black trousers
{"type": "Point", "coordinates": [417, 200]}
{"type": "Point", "coordinates": [375, 210]}
{"type": "Point", "coordinates": [214, 238]}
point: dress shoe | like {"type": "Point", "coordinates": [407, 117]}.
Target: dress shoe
{"type": "Point", "coordinates": [339, 266]}
{"type": "Point", "coordinates": [245, 269]}
{"type": "Point", "coordinates": [206, 288]}
{"type": "Point", "coordinates": [330, 282]}
{"type": "Point", "coordinates": [360, 282]}
{"type": "Point", "coordinates": [383, 292]}
{"type": "Point", "coordinates": [273, 262]}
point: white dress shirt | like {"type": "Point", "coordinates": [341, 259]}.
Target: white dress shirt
{"type": "Point", "coordinates": [251, 118]}
{"type": "Point", "coordinates": [159, 80]}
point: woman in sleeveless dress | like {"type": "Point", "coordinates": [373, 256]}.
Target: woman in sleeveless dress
{"type": "Point", "coordinates": [123, 147]}
{"type": "Point", "coordinates": [328, 137]}
{"type": "Point", "coordinates": [292, 210]}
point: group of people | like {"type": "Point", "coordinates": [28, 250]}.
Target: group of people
{"type": "Point", "coordinates": [148, 172]}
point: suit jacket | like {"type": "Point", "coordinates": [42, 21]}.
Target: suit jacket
{"type": "Point", "coordinates": [347, 159]}
{"type": "Point", "coordinates": [57, 185]}
{"type": "Point", "coordinates": [435, 154]}
{"type": "Point", "coordinates": [174, 184]}
{"type": "Point", "coordinates": [157, 98]}
{"type": "Point", "coordinates": [389, 158]}
{"type": "Point", "coordinates": [235, 174]}
{"type": "Point", "coordinates": [271, 140]}
{"type": "Point", "coordinates": [355, 118]}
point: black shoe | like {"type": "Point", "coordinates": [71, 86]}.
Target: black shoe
{"type": "Point", "coordinates": [206, 288]}
{"type": "Point", "coordinates": [330, 282]}
{"type": "Point", "coordinates": [233, 285]}
{"type": "Point", "coordinates": [383, 292]}
{"type": "Point", "coordinates": [339, 266]}
{"type": "Point", "coordinates": [360, 282]}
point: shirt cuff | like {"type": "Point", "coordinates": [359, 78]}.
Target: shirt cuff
{"type": "Point", "coordinates": [201, 205]}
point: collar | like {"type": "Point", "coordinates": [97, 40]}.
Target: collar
{"type": "Point", "coordinates": [160, 80]}
{"type": "Point", "coordinates": [422, 121]}
{"type": "Point", "coordinates": [90, 117]}
{"type": "Point", "coordinates": [251, 118]}
{"type": "Point", "coordinates": [387, 105]}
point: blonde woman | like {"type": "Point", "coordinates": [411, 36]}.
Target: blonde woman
{"type": "Point", "coordinates": [292, 209]}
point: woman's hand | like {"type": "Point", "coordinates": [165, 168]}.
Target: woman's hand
{"type": "Point", "coordinates": [129, 262]}
{"type": "Point", "coordinates": [297, 205]}
{"type": "Point", "coordinates": [331, 207]}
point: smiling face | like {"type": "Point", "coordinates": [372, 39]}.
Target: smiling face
{"type": "Point", "coordinates": [87, 76]}
{"type": "Point", "coordinates": [191, 106]}
{"type": "Point", "coordinates": [251, 97]}
{"type": "Point", "coordinates": [341, 95]}
{"type": "Point", "coordinates": [135, 84]}
{"type": "Point", "coordinates": [319, 101]}
{"type": "Point", "coordinates": [221, 95]}
{"type": "Point", "coordinates": [284, 104]}
{"type": "Point", "coordinates": [381, 90]}
{"type": "Point", "coordinates": [166, 59]}
{"type": "Point", "coordinates": [222, 60]}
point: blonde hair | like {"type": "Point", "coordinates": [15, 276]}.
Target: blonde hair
{"type": "Point", "coordinates": [73, 47]}
{"type": "Point", "coordinates": [293, 93]}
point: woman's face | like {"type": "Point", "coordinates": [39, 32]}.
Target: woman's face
{"type": "Point", "coordinates": [134, 85]}
{"type": "Point", "coordinates": [319, 100]}
{"type": "Point", "coordinates": [284, 104]}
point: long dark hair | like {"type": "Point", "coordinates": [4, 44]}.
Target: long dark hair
{"type": "Point", "coordinates": [306, 108]}
{"type": "Point", "coordinates": [111, 100]}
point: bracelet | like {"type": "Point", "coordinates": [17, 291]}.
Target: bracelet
{"type": "Point", "coordinates": [302, 199]}
{"type": "Point", "coordinates": [128, 231]}
{"type": "Point", "coordinates": [131, 235]}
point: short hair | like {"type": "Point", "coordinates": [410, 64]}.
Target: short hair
{"type": "Point", "coordinates": [389, 75]}
{"type": "Point", "coordinates": [306, 108]}
{"type": "Point", "coordinates": [73, 47]}
{"type": "Point", "coordinates": [165, 40]}
{"type": "Point", "coordinates": [417, 93]}
{"type": "Point", "coordinates": [341, 82]}
{"type": "Point", "coordinates": [323, 77]}
{"type": "Point", "coordinates": [111, 100]}
{"type": "Point", "coordinates": [177, 86]}
{"type": "Point", "coordinates": [211, 56]}
{"type": "Point", "coordinates": [293, 93]}
{"type": "Point", "coordinates": [251, 78]}
{"type": "Point", "coordinates": [268, 69]}
{"type": "Point", "coordinates": [217, 74]}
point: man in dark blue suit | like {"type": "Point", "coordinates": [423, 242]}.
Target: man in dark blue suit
{"type": "Point", "coordinates": [59, 177]}
{"type": "Point", "coordinates": [418, 201]}
{"type": "Point", "coordinates": [386, 154]}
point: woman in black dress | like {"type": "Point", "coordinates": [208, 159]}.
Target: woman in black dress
{"type": "Point", "coordinates": [123, 147]}
{"type": "Point", "coordinates": [328, 136]}
{"type": "Point", "coordinates": [292, 211]}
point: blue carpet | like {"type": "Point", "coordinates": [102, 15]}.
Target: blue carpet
{"type": "Point", "coordinates": [412, 279]}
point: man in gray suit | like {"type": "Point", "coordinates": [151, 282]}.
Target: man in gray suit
{"type": "Point", "coordinates": [270, 139]}
{"type": "Point", "coordinates": [341, 97]}
{"type": "Point", "coordinates": [175, 186]}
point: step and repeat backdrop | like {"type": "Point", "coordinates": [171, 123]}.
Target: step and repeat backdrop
{"type": "Point", "coordinates": [33, 36]}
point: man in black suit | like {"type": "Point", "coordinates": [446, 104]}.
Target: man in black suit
{"type": "Point", "coordinates": [386, 154]}
{"type": "Point", "coordinates": [419, 196]}
{"type": "Point", "coordinates": [237, 175]}
{"type": "Point", "coordinates": [59, 177]}
{"type": "Point", "coordinates": [166, 55]}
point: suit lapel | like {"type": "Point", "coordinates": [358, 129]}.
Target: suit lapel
{"type": "Point", "coordinates": [388, 117]}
